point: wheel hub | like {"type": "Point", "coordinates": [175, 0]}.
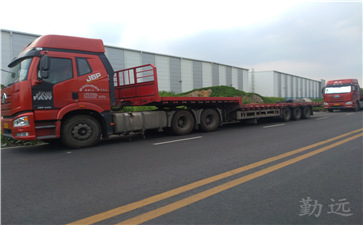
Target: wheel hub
{"type": "Point", "coordinates": [82, 131]}
{"type": "Point", "coordinates": [181, 122]}
{"type": "Point", "coordinates": [208, 120]}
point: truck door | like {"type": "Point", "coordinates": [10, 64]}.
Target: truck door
{"type": "Point", "coordinates": [93, 85]}
{"type": "Point", "coordinates": [55, 91]}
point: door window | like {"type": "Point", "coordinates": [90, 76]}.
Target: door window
{"type": "Point", "coordinates": [83, 66]}
{"type": "Point", "coordinates": [60, 70]}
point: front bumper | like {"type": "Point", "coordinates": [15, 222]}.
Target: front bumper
{"type": "Point", "coordinates": [339, 105]}
{"type": "Point", "coordinates": [25, 133]}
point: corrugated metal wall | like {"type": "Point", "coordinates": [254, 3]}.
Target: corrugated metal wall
{"type": "Point", "coordinates": [197, 74]}
{"type": "Point", "coordinates": [175, 75]}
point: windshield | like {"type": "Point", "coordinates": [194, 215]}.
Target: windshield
{"type": "Point", "coordinates": [18, 72]}
{"type": "Point", "coordinates": [338, 90]}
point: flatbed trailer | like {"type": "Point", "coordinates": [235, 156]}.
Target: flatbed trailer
{"type": "Point", "coordinates": [138, 86]}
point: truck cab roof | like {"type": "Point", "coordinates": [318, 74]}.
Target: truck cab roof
{"type": "Point", "coordinates": [68, 43]}
{"type": "Point", "coordinates": [60, 42]}
{"type": "Point", "coordinates": [342, 82]}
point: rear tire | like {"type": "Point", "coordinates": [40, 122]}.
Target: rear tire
{"type": "Point", "coordinates": [182, 122]}
{"type": "Point", "coordinates": [80, 131]}
{"type": "Point", "coordinates": [305, 113]}
{"type": "Point", "coordinates": [296, 113]}
{"type": "Point", "coordinates": [209, 120]}
{"type": "Point", "coordinates": [286, 114]}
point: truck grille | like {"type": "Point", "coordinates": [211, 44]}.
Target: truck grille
{"type": "Point", "coordinates": [336, 98]}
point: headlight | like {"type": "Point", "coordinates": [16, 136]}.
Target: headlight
{"type": "Point", "coordinates": [22, 121]}
{"type": "Point", "coordinates": [349, 103]}
{"type": "Point", "coordinates": [325, 103]}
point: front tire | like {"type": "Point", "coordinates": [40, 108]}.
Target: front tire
{"type": "Point", "coordinates": [357, 107]}
{"type": "Point", "coordinates": [80, 131]}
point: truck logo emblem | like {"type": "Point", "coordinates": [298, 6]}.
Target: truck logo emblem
{"type": "Point", "coordinates": [336, 96]}
{"type": "Point", "coordinates": [43, 95]}
{"type": "Point", "coordinates": [93, 77]}
{"type": "Point", "coordinates": [3, 98]}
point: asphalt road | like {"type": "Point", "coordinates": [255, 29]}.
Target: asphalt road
{"type": "Point", "coordinates": [299, 172]}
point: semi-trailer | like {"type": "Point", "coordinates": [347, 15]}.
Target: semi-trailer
{"type": "Point", "coordinates": [63, 87]}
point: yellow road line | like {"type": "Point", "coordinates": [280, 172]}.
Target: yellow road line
{"type": "Point", "coordinates": [150, 200]}
{"type": "Point", "coordinates": [200, 196]}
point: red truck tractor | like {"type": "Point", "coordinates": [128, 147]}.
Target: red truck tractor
{"type": "Point", "coordinates": [342, 94]}
{"type": "Point", "coordinates": [65, 88]}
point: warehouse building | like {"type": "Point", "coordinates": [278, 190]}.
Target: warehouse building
{"type": "Point", "coordinates": [183, 74]}
{"type": "Point", "coordinates": [278, 84]}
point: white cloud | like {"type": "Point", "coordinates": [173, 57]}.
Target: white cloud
{"type": "Point", "coordinates": [171, 19]}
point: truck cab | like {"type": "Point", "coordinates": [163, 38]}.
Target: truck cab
{"type": "Point", "coordinates": [52, 78]}
{"type": "Point", "coordinates": [342, 94]}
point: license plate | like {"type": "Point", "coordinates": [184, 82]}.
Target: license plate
{"type": "Point", "coordinates": [337, 104]}
{"type": "Point", "coordinates": [6, 125]}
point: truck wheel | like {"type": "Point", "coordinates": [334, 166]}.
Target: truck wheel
{"type": "Point", "coordinates": [296, 113]}
{"type": "Point", "coordinates": [305, 113]}
{"type": "Point", "coordinates": [209, 121]}
{"type": "Point", "coordinates": [357, 107]}
{"type": "Point", "coordinates": [80, 131]}
{"type": "Point", "coordinates": [286, 114]}
{"type": "Point", "coordinates": [182, 122]}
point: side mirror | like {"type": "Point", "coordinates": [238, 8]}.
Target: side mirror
{"type": "Point", "coordinates": [44, 66]}
{"type": "Point", "coordinates": [323, 91]}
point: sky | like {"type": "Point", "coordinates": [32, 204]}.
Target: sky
{"type": "Point", "coordinates": [313, 39]}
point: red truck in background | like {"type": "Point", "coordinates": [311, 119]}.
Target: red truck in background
{"type": "Point", "coordinates": [342, 94]}
{"type": "Point", "coordinates": [63, 87]}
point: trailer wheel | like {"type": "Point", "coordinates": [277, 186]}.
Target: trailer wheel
{"type": "Point", "coordinates": [80, 131]}
{"type": "Point", "coordinates": [182, 122]}
{"type": "Point", "coordinates": [209, 120]}
{"type": "Point", "coordinates": [305, 113]}
{"type": "Point", "coordinates": [296, 113]}
{"type": "Point", "coordinates": [286, 114]}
